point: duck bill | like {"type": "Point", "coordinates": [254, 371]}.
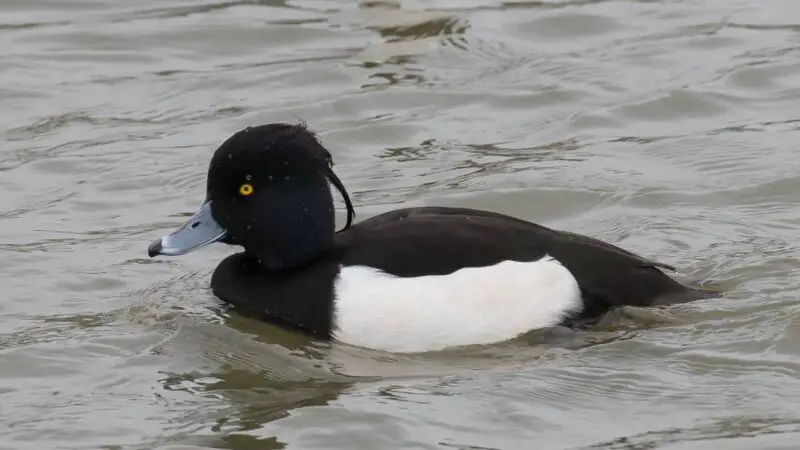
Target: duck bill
{"type": "Point", "coordinates": [200, 230]}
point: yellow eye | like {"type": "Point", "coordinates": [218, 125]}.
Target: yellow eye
{"type": "Point", "coordinates": [246, 189]}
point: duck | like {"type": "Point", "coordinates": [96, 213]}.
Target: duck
{"type": "Point", "coordinates": [409, 280]}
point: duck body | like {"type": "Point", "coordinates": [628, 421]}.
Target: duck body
{"type": "Point", "coordinates": [409, 280]}
{"type": "Point", "coordinates": [429, 278]}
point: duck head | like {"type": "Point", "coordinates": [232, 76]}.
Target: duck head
{"type": "Point", "coordinates": [268, 191]}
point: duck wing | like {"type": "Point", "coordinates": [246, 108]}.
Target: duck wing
{"type": "Point", "coordinates": [422, 241]}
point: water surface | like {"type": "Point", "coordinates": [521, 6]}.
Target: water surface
{"type": "Point", "coordinates": [667, 127]}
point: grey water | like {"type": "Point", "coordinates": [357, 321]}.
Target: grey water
{"type": "Point", "coordinates": [667, 127]}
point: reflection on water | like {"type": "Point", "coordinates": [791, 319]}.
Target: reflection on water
{"type": "Point", "coordinates": [666, 127]}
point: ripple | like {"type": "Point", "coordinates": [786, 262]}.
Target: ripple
{"type": "Point", "coordinates": [571, 25]}
{"type": "Point", "coordinates": [713, 433]}
{"type": "Point", "coordinates": [675, 105]}
{"type": "Point", "coordinates": [668, 128]}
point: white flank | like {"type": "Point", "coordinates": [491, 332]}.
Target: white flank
{"type": "Point", "coordinates": [475, 305]}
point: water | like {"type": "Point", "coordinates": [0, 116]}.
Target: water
{"type": "Point", "coordinates": [668, 127]}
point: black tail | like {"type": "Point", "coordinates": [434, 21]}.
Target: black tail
{"type": "Point", "coordinates": [687, 295]}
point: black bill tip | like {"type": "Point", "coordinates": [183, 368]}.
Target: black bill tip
{"type": "Point", "coordinates": [154, 249]}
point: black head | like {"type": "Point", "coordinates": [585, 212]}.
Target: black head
{"type": "Point", "coordinates": [267, 191]}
